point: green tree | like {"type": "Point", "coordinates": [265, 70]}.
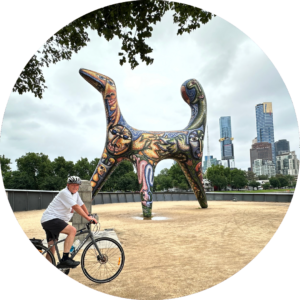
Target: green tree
{"type": "Point", "coordinates": [266, 186]}
{"type": "Point", "coordinates": [132, 22]}
{"type": "Point", "coordinates": [290, 179]}
{"type": "Point", "coordinates": [63, 168]}
{"type": "Point", "coordinates": [53, 183]}
{"type": "Point", "coordinates": [164, 172]}
{"type": "Point", "coordinates": [177, 176]}
{"type": "Point", "coordinates": [18, 180]}
{"type": "Point", "coordinates": [238, 178]}
{"type": "Point", "coordinates": [5, 164]}
{"type": "Point", "coordinates": [128, 182]}
{"type": "Point", "coordinates": [283, 181]}
{"type": "Point", "coordinates": [251, 176]}
{"type": "Point", "coordinates": [183, 186]}
{"type": "Point", "coordinates": [239, 181]}
{"type": "Point", "coordinates": [219, 181]}
{"type": "Point", "coordinates": [82, 169]}
{"type": "Point", "coordinates": [37, 166]}
{"type": "Point", "coordinates": [254, 183]}
{"type": "Point", "coordinates": [263, 177]}
{"type": "Point", "coordinates": [112, 183]}
{"type": "Point", "coordinates": [293, 184]}
{"type": "Point", "coordinates": [274, 182]}
{"type": "Point", "coordinates": [219, 176]}
{"type": "Point", "coordinates": [163, 180]}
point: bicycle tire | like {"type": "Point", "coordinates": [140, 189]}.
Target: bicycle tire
{"type": "Point", "coordinates": [42, 248]}
{"type": "Point", "coordinates": [109, 267]}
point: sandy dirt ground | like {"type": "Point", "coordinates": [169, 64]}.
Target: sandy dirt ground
{"type": "Point", "coordinates": [185, 251]}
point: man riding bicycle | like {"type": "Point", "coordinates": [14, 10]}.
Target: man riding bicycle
{"type": "Point", "coordinates": [58, 213]}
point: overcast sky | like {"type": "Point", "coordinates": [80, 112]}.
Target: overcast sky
{"type": "Point", "coordinates": [235, 73]}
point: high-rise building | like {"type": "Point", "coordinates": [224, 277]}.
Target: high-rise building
{"type": "Point", "coordinates": [287, 164]}
{"type": "Point", "coordinates": [227, 152]}
{"type": "Point", "coordinates": [208, 159]}
{"type": "Point", "coordinates": [260, 151]}
{"type": "Point", "coordinates": [264, 125]}
{"type": "Point", "coordinates": [254, 141]}
{"type": "Point", "coordinates": [264, 167]}
{"type": "Point", "coordinates": [281, 146]}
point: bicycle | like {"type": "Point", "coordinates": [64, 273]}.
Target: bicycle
{"type": "Point", "coordinates": [104, 252]}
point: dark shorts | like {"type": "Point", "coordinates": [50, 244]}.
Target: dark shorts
{"type": "Point", "coordinates": [53, 228]}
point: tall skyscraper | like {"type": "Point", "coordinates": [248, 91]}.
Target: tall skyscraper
{"type": "Point", "coordinates": [264, 125]}
{"type": "Point", "coordinates": [260, 151]}
{"type": "Point", "coordinates": [227, 152]}
{"type": "Point", "coordinates": [281, 146]}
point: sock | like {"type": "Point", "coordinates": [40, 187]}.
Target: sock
{"type": "Point", "coordinates": [65, 256]}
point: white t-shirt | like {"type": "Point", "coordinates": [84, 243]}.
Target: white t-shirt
{"type": "Point", "coordinates": [61, 206]}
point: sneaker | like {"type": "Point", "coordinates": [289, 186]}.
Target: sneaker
{"type": "Point", "coordinates": [68, 263]}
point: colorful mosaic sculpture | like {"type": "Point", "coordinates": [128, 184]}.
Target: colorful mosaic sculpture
{"type": "Point", "coordinates": [145, 149]}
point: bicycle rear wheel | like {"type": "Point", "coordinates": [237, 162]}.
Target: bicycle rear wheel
{"type": "Point", "coordinates": [107, 268]}
{"type": "Point", "coordinates": [42, 248]}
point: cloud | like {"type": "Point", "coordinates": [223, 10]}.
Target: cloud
{"type": "Point", "coordinates": [234, 72]}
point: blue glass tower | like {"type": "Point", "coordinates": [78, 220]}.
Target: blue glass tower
{"type": "Point", "coordinates": [226, 138]}
{"type": "Point", "coordinates": [264, 125]}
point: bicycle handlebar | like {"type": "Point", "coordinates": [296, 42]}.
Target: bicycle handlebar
{"type": "Point", "coordinates": [95, 216]}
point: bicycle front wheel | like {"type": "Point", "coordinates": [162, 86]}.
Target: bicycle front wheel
{"type": "Point", "coordinates": [105, 267]}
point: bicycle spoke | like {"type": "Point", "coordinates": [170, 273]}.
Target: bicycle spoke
{"type": "Point", "coordinates": [105, 266]}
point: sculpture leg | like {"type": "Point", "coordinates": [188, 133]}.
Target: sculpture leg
{"type": "Point", "coordinates": [201, 197]}
{"type": "Point", "coordinates": [145, 173]}
{"type": "Point", "coordinates": [102, 172]}
{"type": "Point", "coordinates": [193, 175]}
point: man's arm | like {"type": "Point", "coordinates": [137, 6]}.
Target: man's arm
{"type": "Point", "coordinates": [81, 211]}
{"type": "Point", "coordinates": [84, 209]}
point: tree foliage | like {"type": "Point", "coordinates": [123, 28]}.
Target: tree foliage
{"type": "Point", "coordinates": [163, 181]}
{"type": "Point", "coordinates": [5, 164]}
{"type": "Point", "coordinates": [35, 171]}
{"type": "Point", "coordinates": [263, 177]}
{"type": "Point", "coordinates": [122, 179]}
{"type": "Point", "coordinates": [37, 166]}
{"type": "Point", "coordinates": [274, 182]}
{"type": "Point", "coordinates": [254, 183]}
{"type": "Point", "coordinates": [251, 176]}
{"type": "Point", "coordinates": [132, 22]}
{"type": "Point", "coordinates": [171, 178]}
{"type": "Point", "coordinates": [219, 176]}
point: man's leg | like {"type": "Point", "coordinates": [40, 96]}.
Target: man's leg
{"type": "Point", "coordinates": [52, 250]}
{"type": "Point", "coordinates": [71, 232]}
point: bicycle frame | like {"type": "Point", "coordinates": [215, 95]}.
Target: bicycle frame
{"type": "Point", "coordinates": [79, 232]}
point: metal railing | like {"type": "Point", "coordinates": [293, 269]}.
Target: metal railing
{"type": "Point", "coordinates": [23, 200]}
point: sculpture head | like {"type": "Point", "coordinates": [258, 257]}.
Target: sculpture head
{"type": "Point", "coordinates": [104, 84]}
{"type": "Point", "coordinates": [118, 140]}
{"type": "Point", "coordinates": [195, 140]}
